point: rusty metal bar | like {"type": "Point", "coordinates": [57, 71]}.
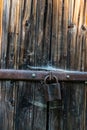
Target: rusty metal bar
{"type": "Point", "coordinates": [28, 75]}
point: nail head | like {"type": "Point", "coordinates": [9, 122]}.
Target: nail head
{"type": "Point", "coordinates": [68, 76]}
{"type": "Point", "coordinates": [33, 75]}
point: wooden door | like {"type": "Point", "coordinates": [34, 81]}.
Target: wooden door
{"type": "Point", "coordinates": [42, 33]}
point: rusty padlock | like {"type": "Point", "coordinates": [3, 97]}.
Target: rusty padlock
{"type": "Point", "coordinates": [52, 89]}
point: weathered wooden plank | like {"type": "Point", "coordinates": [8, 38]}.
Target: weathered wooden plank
{"type": "Point", "coordinates": [74, 106]}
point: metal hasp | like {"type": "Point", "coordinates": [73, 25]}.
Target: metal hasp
{"type": "Point", "coordinates": [30, 75]}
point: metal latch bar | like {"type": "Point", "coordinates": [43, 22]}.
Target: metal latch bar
{"type": "Point", "coordinates": [30, 75]}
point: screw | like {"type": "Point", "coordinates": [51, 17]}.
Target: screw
{"type": "Point", "coordinates": [33, 75]}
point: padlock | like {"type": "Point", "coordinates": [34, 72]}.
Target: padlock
{"type": "Point", "coordinates": [52, 90]}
